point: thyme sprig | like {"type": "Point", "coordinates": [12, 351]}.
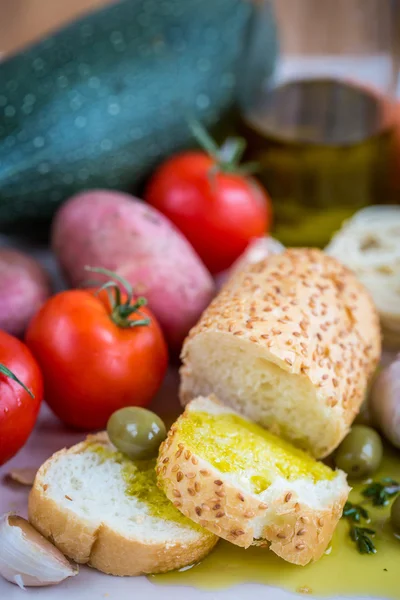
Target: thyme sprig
{"type": "Point", "coordinates": [362, 537]}
{"type": "Point", "coordinates": [381, 492]}
{"type": "Point", "coordinates": [355, 512]}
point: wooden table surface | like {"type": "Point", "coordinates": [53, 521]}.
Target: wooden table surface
{"type": "Point", "coordinates": [307, 25]}
{"type": "Point", "coordinates": [25, 21]}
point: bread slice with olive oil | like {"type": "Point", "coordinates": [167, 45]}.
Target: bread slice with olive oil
{"type": "Point", "coordinates": [102, 509]}
{"type": "Point", "coordinates": [248, 486]}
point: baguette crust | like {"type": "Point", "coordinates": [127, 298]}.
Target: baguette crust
{"type": "Point", "coordinates": [99, 546]}
{"type": "Point", "coordinates": [295, 532]}
{"type": "Point", "coordinates": [307, 314]}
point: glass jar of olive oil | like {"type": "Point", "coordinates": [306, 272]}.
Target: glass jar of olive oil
{"type": "Point", "coordinates": [322, 125]}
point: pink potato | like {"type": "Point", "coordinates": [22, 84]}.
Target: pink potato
{"type": "Point", "coordinates": [116, 231]}
{"type": "Point", "coordinates": [24, 287]}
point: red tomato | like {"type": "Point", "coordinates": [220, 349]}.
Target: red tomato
{"type": "Point", "coordinates": [18, 410]}
{"type": "Point", "coordinates": [219, 212]}
{"type": "Point", "coordinates": [91, 365]}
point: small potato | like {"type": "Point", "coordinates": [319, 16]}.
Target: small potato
{"type": "Point", "coordinates": [116, 231]}
{"type": "Point", "coordinates": [24, 287]}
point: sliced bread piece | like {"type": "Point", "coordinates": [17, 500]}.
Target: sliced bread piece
{"type": "Point", "coordinates": [291, 342]}
{"type": "Point", "coordinates": [248, 486]}
{"type": "Point", "coordinates": [102, 509]}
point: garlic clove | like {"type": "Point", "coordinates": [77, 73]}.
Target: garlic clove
{"type": "Point", "coordinates": [384, 402]}
{"type": "Point", "coordinates": [27, 558]}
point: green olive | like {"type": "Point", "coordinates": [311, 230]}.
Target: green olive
{"type": "Point", "coordinates": [360, 453]}
{"type": "Point", "coordinates": [395, 515]}
{"type": "Point", "coordinates": [136, 432]}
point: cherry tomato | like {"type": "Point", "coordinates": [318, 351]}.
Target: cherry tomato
{"type": "Point", "coordinates": [216, 206]}
{"type": "Point", "coordinates": [19, 405]}
{"type": "Point", "coordinates": [96, 357]}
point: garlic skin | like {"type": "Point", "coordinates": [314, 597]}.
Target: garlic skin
{"type": "Point", "coordinates": [257, 250]}
{"type": "Point", "coordinates": [25, 476]}
{"type": "Point", "coordinates": [27, 558]}
{"type": "Point", "coordinates": [384, 402]}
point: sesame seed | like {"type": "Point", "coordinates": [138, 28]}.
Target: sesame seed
{"type": "Point", "coordinates": [220, 493]}
{"type": "Point", "coordinates": [166, 459]}
{"type": "Point", "coordinates": [241, 497]}
{"type": "Point", "coordinates": [198, 511]}
{"type": "Point", "coordinates": [237, 532]}
{"type": "Point", "coordinates": [191, 492]}
{"type": "Point", "coordinates": [281, 536]}
{"type": "Point", "coordinates": [220, 514]}
{"type": "Point", "coordinates": [249, 514]}
{"type": "Point", "coordinates": [187, 454]}
{"type": "Point", "coordinates": [216, 506]}
{"type": "Point", "coordinates": [300, 546]}
{"type": "Point", "coordinates": [197, 486]}
{"type": "Point", "coordinates": [177, 504]}
{"type": "Point", "coordinates": [179, 476]}
{"type": "Point", "coordinates": [304, 519]}
{"type": "Point", "coordinates": [175, 468]}
{"type": "Point", "coordinates": [262, 506]}
{"type": "Point", "coordinates": [301, 532]}
{"type": "Point", "coordinates": [204, 472]}
{"type": "Point", "coordinates": [321, 522]}
{"type": "Point", "coordinates": [68, 497]}
{"type": "Point", "coordinates": [288, 496]}
{"type": "Point", "coordinates": [176, 493]}
{"type": "Point", "coordinates": [194, 460]}
{"type": "Point", "coordinates": [218, 482]}
{"type": "Point", "coordinates": [190, 475]}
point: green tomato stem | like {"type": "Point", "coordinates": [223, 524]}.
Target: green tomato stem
{"type": "Point", "coordinates": [228, 156]}
{"type": "Point", "coordinates": [121, 311]}
{"type": "Point", "coordinates": [10, 374]}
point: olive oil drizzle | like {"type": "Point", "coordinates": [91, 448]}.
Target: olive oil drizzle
{"type": "Point", "coordinates": [342, 571]}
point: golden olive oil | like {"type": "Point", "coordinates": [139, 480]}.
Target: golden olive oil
{"type": "Point", "coordinates": [141, 482]}
{"type": "Point", "coordinates": [341, 572]}
{"type": "Point", "coordinates": [324, 150]}
{"type": "Point", "coordinates": [231, 443]}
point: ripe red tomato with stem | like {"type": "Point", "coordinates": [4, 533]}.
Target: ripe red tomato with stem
{"type": "Point", "coordinates": [99, 351]}
{"type": "Point", "coordinates": [21, 393]}
{"type": "Point", "coordinates": [212, 199]}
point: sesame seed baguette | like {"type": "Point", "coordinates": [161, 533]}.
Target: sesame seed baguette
{"type": "Point", "coordinates": [89, 532]}
{"type": "Point", "coordinates": [291, 342]}
{"type": "Point", "coordinates": [279, 518]}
